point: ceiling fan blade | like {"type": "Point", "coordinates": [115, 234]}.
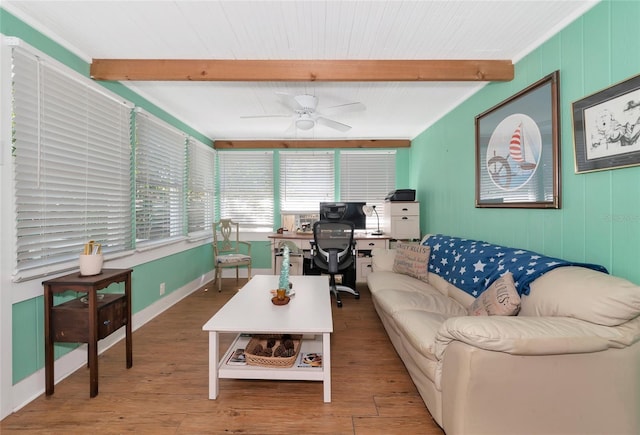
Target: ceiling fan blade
{"type": "Point", "coordinates": [291, 130]}
{"type": "Point", "coordinates": [333, 124]}
{"type": "Point", "coordinates": [289, 101]}
{"type": "Point", "coordinates": [343, 108]}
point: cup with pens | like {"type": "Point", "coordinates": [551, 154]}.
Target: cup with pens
{"type": "Point", "coordinates": [91, 259]}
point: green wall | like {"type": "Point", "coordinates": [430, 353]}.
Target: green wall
{"type": "Point", "coordinates": [599, 220]}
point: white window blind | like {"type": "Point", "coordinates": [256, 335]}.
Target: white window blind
{"type": "Point", "coordinates": [72, 168]}
{"type": "Point", "coordinates": [160, 158]}
{"type": "Point", "coordinates": [306, 179]}
{"type": "Point", "coordinates": [201, 192]}
{"type": "Point", "coordinates": [368, 176]}
{"type": "Point", "coordinates": [246, 188]}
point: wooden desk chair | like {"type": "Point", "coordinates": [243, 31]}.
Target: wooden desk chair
{"type": "Point", "coordinates": [226, 249]}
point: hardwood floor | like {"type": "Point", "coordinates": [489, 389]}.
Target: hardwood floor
{"type": "Point", "coordinates": [166, 390]}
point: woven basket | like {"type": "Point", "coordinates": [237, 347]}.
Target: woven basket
{"type": "Point", "coordinates": [271, 361]}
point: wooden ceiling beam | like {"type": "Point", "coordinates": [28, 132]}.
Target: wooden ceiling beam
{"type": "Point", "coordinates": [298, 144]}
{"type": "Point", "coordinates": [301, 70]}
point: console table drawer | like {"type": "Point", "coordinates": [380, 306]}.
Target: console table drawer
{"type": "Point", "coordinates": [70, 320]}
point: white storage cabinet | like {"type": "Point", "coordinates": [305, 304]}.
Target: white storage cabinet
{"type": "Point", "coordinates": [402, 219]}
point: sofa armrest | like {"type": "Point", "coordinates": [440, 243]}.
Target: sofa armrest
{"type": "Point", "coordinates": [520, 335]}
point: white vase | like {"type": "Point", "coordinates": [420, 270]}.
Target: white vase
{"type": "Point", "coordinates": [91, 264]}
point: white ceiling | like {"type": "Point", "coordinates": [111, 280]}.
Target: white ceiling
{"type": "Point", "coordinates": [454, 29]}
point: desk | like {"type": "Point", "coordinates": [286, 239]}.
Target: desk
{"type": "Point", "coordinates": [364, 244]}
{"type": "Point", "coordinates": [77, 321]}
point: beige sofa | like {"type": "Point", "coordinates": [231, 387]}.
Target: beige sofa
{"type": "Point", "coordinates": [568, 363]}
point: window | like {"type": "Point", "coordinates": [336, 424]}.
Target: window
{"type": "Point", "coordinates": [72, 169]}
{"type": "Point", "coordinates": [246, 188]}
{"type": "Point", "coordinates": [368, 176]}
{"type": "Point", "coordinates": [201, 191]}
{"type": "Point", "coordinates": [160, 163]}
{"type": "Point", "coordinates": [306, 179]}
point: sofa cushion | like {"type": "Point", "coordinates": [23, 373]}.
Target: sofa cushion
{"type": "Point", "coordinates": [378, 281]}
{"type": "Point", "coordinates": [382, 259]}
{"type": "Point", "coordinates": [392, 301]}
{"type": "Point", "coordinates": [448, 289]}
{"type": "Point", "coordinates": [500, 299]}
{"type": "Point", "coordinates": [531, 335]}
{"type": "Point", "coordinates": [419, 328]}
{"type": "Point", "coordinates": [583, 294]}
{"type": "Point", "coordinates": [412, 260]}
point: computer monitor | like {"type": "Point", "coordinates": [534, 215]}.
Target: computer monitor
{"type": "Point", "coordinates": [344, 211]}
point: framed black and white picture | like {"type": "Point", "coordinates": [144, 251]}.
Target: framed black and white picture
{"type": "Point", "coordinates": [517, 149]}
{"type": "Point", "coordinates": [606, 128]}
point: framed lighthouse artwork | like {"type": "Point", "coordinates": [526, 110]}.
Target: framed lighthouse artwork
{"type": "Point", "coordinates": [518, 149]}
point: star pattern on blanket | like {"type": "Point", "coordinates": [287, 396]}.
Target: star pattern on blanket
{"type": "Point", "coordinates": [473, 265]}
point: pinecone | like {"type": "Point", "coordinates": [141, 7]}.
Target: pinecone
{"type": "Point", "coordinates": [259, 350]}
{"type": "Point", "coordinates": [288, 344]}
{"type": "Point", "coordinates": [267, 352]}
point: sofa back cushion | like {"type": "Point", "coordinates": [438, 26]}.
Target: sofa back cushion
{"type": "Point", "coordinates": [448, 289]}
{"type": "Point", "coordinates": [584, 294]}
{"type": "Point", "coordinates": [382, 259]}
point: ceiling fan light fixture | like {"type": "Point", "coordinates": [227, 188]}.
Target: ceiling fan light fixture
{"type": "Point", "coordinates": [305, 122]}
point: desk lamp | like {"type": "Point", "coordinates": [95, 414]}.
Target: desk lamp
{"type": "Point", "coordinates": [369, 210]}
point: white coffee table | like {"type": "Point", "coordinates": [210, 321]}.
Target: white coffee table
{"type": "Point", "coordinates": [250, 311]}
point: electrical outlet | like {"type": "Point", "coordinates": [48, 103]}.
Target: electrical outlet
{"type": "Point", "coordinates": [162, 288]}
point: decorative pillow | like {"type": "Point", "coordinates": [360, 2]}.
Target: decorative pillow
{"type": "Point", "coordinates": [412, 260]}
{"type": "Point", "coordinates": [382, 259]}
{"type": "Point", "coordinates": [500, 299]}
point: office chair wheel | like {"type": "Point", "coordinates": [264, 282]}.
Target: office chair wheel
{"type": "Point", "coordinates": [339, 304]}
{"type": "Point", "coordinates": [358, 296]}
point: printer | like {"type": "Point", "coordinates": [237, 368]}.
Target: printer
{"type": "Point", "coordinates": [401, 195]}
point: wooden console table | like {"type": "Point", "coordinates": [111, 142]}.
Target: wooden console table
{"type": "Point", "coordinates": [88, 321]}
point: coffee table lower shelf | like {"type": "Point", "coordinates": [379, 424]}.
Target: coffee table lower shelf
{"type": "Point", "coordinates": [310, 343]}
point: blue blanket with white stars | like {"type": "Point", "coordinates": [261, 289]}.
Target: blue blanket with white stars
{"type": "Point", "coordinates": [473, 265]}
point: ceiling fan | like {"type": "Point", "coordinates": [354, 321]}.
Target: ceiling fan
{"type": "Point", "coordinates": [305, 116]}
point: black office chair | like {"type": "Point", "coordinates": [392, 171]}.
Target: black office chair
{"type": "Point", "coordinates": [333, 250]}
